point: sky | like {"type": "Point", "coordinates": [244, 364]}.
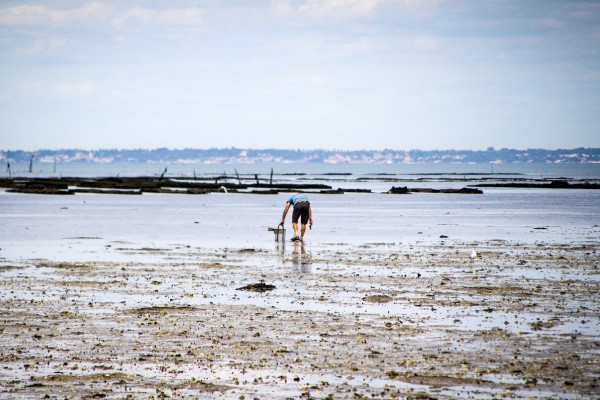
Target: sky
{"type": "Point", "coordinates": [299, 74]}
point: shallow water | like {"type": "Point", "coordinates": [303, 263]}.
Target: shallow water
{"type": "Point", "coordinates": [38, 226]}
{"type": "Point", "coordinates": [304, 171]}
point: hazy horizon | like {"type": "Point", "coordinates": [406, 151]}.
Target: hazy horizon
{"type": "Point", "coordinates": [243, 156]}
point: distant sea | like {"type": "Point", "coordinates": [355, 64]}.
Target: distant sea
{"type": "Point", "coordinates": [43, 226]}
{"type": "Point", "coordinates": [538, 171]}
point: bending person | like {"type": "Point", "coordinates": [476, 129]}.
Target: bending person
{"type": "Point", "coordinates": [302, 211]}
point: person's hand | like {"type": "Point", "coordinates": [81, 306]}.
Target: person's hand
{"type": "Point", "coordinates": [310, 221]}
{"type": "Point", "coordinates": [282, 221]}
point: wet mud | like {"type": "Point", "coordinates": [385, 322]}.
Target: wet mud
{"type": "Point", "coordinates": [379, 320]}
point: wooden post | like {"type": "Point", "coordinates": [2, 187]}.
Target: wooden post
{"type": "Point", "coordinates": [271, 180]}
{"type": "Point", "coordinates": [256, 177]}
{"type": "Point", "coordinates": [162, 175]}
{"type": "Point", "coordinates": [31, 163]}
{"type": "Point", "coordinates": [238, 177]}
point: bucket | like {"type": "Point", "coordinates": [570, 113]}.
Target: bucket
{"type": "Point", "coordinates": [279, 233]}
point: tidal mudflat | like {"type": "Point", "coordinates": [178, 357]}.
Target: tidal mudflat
{"type": "Point", "coordinates": [329, 320]}
{"type": "Point", "coordinates": [179, 296]}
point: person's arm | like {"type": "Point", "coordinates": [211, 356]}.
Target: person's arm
{"type": "Point", "coordinates": [309, 215]}
{"type": "Point", "coordinates": [285, 211]}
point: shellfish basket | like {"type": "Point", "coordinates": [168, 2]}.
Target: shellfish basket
{"type": "Point", "coordinates": [279, 233]}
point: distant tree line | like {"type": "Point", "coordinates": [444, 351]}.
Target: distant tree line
{"type": "Point", "coordinates": [237, 155]}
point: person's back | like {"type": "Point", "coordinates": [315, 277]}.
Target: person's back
{"type": "Point", "coordinates": [295, 198]}
{"type": "Point", "coordinates": [301, 210]}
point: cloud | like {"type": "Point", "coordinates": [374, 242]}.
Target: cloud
{"type": "Point", "coordinates": [339, 7]}
{"type": "Point", "coordinates": [318, 80]}
{"type": "Point", "coordinates": [426, 43]}
{"type": "Point", "coordinates": [281, 7]}
{"type": "Point", "coordinates": [40, 46]}
{"type": "Point", "coordinates": [586, 11]}
{"type": "Point", "coordinates": [64, 91]}
{"type": "Point", "coordinates": [552, 23]}
{"type": "Point", "coordinates": [361, 46]}
{"type": "Point", "coordinates": [354, 8]}
{"type": "Point", "coordinates": [36, 15]}
{"type": "Point", "coordinates": [74, 90]}
{"type": "Point", "coordinates": [29, 89]}
{"type": "Point", "coordinates": [147, 16]}
{"type": "Point", "coordinates": [99, 12]}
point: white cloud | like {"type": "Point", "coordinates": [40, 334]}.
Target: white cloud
{"type": "Point", "coordinates": [308, 79]}
{"type": "Point", "coordinates": [552, 23]}
{"type": "Point", "coordinates": [40, 46]}
{"type": "Point", "coordinates": [42, 15]}
{"type": "Point", "coordinates": [281, 7]}
{"type": "Point", "coordinates": [355, 8]}
{"type": "Point", "coordinates": [588, 10]}
{"type": "Point", "coordinates": [29, 89]}
{"type": "Point", "coordinates": [339, 7]}
{"type": "Point", "coordinates": [64, 91]}
{"type": "Point", "coordinates": [426, 43]}
{"type": "Point", "coordinates": [75, 90]}
{"type": "Point", "coordinates": [318, 80]}
{"type": "Point", "coordinates": [147, 16]}
{"type": "Point", "coordinates": [359, 47]}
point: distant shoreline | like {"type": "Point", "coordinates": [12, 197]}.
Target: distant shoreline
{"type": "Point", "coordinates": [234, 155]}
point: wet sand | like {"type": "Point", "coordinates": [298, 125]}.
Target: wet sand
{"type": "Point", "coordinates": [375, 320]}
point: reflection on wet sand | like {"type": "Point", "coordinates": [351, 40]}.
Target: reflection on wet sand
{"type": "Point", "coordinates": [280, 250]}
{"type": "Point", "coordinates": [300, 258]}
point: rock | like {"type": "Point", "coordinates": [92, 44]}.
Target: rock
{"type": "Point", "coordinates": [257, 287]}
{"type": "Point", "coordinates": [398, 190]}
{"type": "Point", "coordinates": [378, 298]}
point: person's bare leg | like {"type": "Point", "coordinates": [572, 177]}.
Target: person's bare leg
{"type": "Point", "coordinates": [302, 230]}
{"type": "Point", "coordinates": [295, 226]}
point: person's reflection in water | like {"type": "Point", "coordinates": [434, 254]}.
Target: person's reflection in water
{"type": "Point", "coordinates": [280, 248]}
{"type": "Point", "coordinates": [301, 258]}
{"type": "Point", "coordinates": [280, 251]}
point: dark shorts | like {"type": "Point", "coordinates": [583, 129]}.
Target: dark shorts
{"type": "Point", "coordinates": [300, 210]}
